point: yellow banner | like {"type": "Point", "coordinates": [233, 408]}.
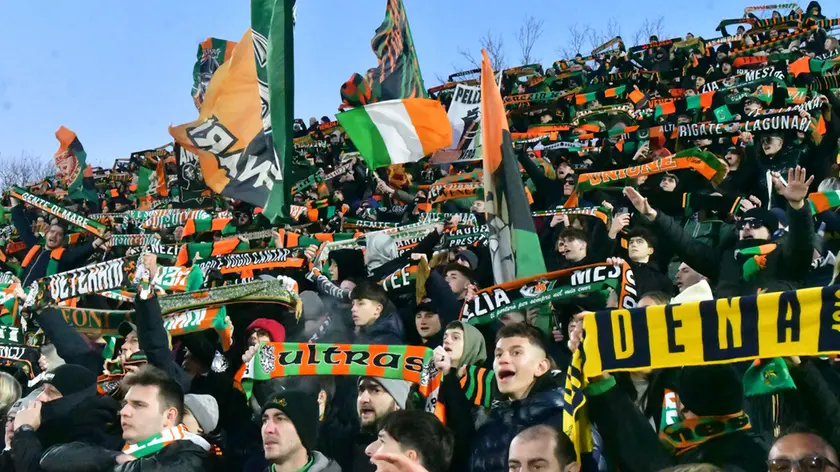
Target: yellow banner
{"type": "Point", "coordinates": [796, 323]}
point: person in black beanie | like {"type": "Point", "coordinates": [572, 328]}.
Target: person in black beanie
{"type": "Point", "coordinates": [289, 434]}
{"type": "Point", "coordinates": [67, 410]}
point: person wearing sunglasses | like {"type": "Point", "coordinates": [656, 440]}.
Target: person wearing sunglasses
{"type": "Point", "coordinates": [802, 452]}
{"type": "Point", "coordinates": [750, 259]}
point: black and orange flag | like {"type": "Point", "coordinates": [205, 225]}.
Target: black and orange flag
{"type": "Point", "coordinates": [513, 239]}
{"type": "Point", "coordinates": [397, 74]}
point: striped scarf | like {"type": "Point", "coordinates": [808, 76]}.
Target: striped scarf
{"type": "Point", "coordinates": [168, 436]}
{"type": "Point", "coordinates": [756, 259]}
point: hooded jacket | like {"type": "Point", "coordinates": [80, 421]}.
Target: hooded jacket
{"type": "Point", "coordinates": [320, 463]}
{"type": "Point", "coordinates": [475, 349]}
{"type": "Point", "coordinates": [350, 263]}
{"type": "Point", "coordinates": [380, 249]}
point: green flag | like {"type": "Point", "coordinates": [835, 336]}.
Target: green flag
{"type": "Point", "coordinates": [146, 182]}
{"type": "Point", "coordinates": [272, 27]}
{"type": "Point", "coordinates": [722, 114]}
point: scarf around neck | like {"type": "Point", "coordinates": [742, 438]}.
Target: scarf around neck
{"type": "Point", "coordinates": [165, 438]}
{"type": "Point", "coordinates": [754, 259]}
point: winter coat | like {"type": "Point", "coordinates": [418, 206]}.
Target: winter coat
{"type": "Point", "coordinates": [387, 329]}
{"type": "Point", "coordinates": [154, 341]}
{"type": "Point", "coordinates": [71, 258]}
{"type": "Point", "coordinates": [490, 445]}
{"type": "Point", "coordinates": [633, 446]}
{"type": "Point", "coordinates": [350, 444]}
{"type": "Point", "coordinates": [180, 456]}
{"type": "Point", "coordinates": [85, 417]}
{"type": "Point", "coordinates": [649, 278]}
{"type": "Point", "coordinates": [69, 344]}
{"type": "Point", "coordinates": [320, 463]}
{"type": "Point", "coordinates": [786, 266]}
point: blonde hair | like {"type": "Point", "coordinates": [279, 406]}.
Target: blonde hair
{"type": "Point", "coordinates": [10, 391]}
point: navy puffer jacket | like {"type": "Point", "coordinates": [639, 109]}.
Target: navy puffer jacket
{"type": "Point", "coordinates": [507, 419]}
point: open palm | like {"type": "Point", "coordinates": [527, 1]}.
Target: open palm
{"type": "Point", "coordinates": [797, 186]}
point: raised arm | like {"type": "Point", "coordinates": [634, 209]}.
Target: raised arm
{"type": "Point", "coordinates": [22, 225]}
{"type": "Point", "coordinates": [701, 257]}
{"type": "Point", "coordinates": [798, 247]}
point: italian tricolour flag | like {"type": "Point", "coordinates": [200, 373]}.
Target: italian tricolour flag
{"type": "Point", "coordinates": [397, 131]}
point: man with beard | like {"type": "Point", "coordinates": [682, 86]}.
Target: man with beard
{"type": "Point", "coordinates": [289, 434]}
{"type": "Point", "coordinates": [68, 409]}
{"type": "Point", "coordinates": [749, 260]}
{"type": "Point", "coordinates": [803, 451]}
{"type": "Point", "coordinates": [51, 258]}
{"type": "Point", "coordinates": [376, 398]}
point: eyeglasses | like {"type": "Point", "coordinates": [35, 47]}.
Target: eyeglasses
{"type": "Point", "coordinates": [805, 464]}
{"type": "Point", "coordinates": [751, 222]}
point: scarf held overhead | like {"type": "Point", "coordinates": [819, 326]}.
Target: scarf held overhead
{"type": "Point", "coordinates": [782, 324]}
{"type": "Point", "coordinates": [521, 294]}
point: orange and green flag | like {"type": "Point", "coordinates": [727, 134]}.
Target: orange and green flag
{"type": "Point", "coordinates": [512, 234]}
{"type": "Point", "coordinates": [70, 163]}
{"type": "Point", "coordinates": [236, 159]}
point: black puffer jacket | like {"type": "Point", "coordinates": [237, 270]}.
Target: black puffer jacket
{"type": "Point", "coordinates": [84, 416]}
{"type": "Point", "coordinates": [543, 406]}
{"type": "Point", "coordinates": [180, 456]}
{"type": "Point", "coordinates": [786, 266]}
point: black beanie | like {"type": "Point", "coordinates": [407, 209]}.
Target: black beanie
{"type": "Point", "coordinates": [765, 216]}
{"type": "Point", "coordinates": [711, 390]}
{"type": "Point", "coordinates": [71, 378]}
{"type": "Point", "coordinates": [302, 410]}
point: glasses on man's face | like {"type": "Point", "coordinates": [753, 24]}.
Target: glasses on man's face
{"type": "Point", "coordinates": [750, 222]}
{"type": "Point", "coordinates": [805, 464]}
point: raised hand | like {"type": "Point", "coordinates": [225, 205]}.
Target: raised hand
{"type": "Point", "coordinates": [797, 186]}
{"type": "Point", "coordinates": [619, 223]}
{"type": "Point", "coordinates": [640, 203]}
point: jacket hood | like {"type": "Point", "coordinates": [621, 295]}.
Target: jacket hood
{"type": "Point", "coordinates": [82, 417]}
{"type": "Point", "coordinates": [380, 248]}
{"type": "Point", "coordinates": [321, 463]}
{"type": "Point", "coordinates": [351, 264]}
{"type": "Point", "coordinates": [698, 292]}
{"type": "Point", "coordinates": [475, 350]}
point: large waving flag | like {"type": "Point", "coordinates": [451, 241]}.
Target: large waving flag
{"type": "Point", "coordinates": [514, 245]}
{"type": "Point", "coordinates": [212, 53]}
{"type": "Point", "coordinates": [228, 138]}
{"type": "Point", "coordinates": [273, 28]}
{"type": "Point", "coordinates": [397, 75]}
{"type": "Point", "coordinates": [72, 168]}
{"type": "Point", "coordinates": [397, 131]}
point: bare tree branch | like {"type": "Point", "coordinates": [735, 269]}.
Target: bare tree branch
{"type": "Point", "coordinates": [577, 38]}
{"type": "Point", "coordinates": [610, 31]}
{"type": "Point", "coordinates": [24, 169]}
{"type": "Point", "coordinates": [650, 27]}
{"type": "Point", "coordinates": [527, 36]}
{"type": "Point", "coordinates": [495, 46]}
